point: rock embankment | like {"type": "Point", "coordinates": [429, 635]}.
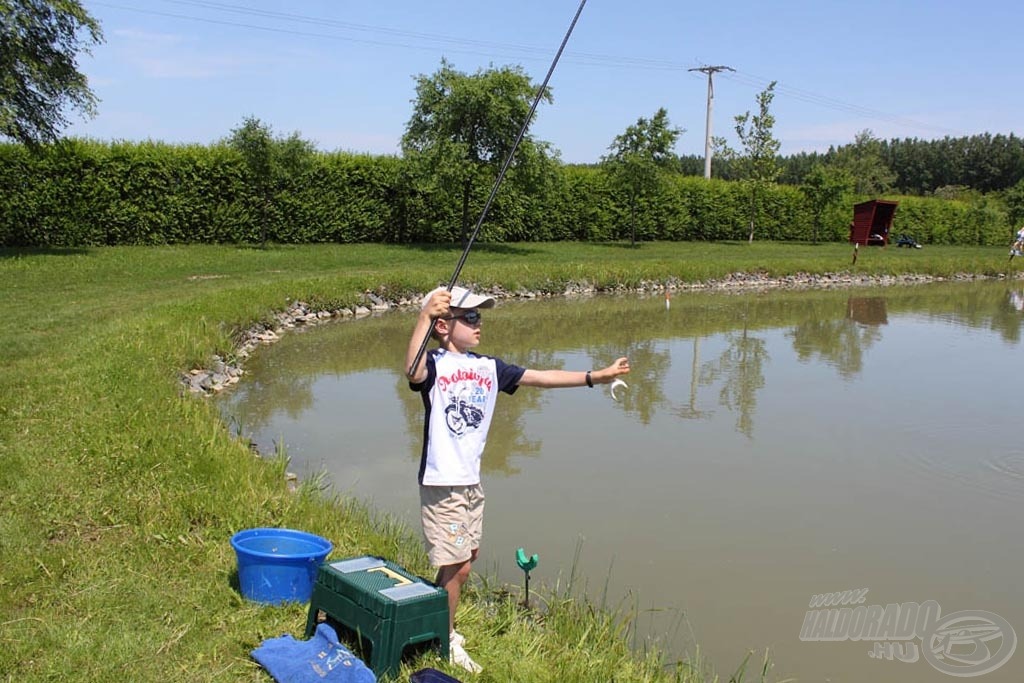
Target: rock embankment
{"type": "Point", "coordinates": [223, 372]}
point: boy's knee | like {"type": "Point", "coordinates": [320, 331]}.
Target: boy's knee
{"type": "Point", "coordinates": [454, 572]}
{"type": "Point", "coordinates": [463, 572]}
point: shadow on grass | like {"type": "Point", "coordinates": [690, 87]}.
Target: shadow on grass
{"type": "Point", "coordinates": [616, 245]}
{"type": "Point", "coordinates": [18, 252]}
{"type": "Point", "coordinates": [641, 245]}
{"type": "Point", "coordinates": [499, 248]}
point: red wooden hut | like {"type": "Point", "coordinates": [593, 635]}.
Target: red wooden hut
{"type": "Point", "coordinates": [872, 221]}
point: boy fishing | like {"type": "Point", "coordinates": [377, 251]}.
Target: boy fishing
{"type": "Point", "coordinates": [459, 389]}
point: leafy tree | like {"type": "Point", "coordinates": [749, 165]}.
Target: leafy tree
{"type": "Point", "coordinates": [270, 161]}
{"type": "Point", "coordinates": [981, 163]}
{"type": "Point", "coordinates": [691, 164]}
{"type": "Point", "coordinates": [824, 186]}
{"type": "Point", "coordinates": [463, 127]}
{"type": "Point", "coordinates": [758, 164]}
{"type": "Point", "coordinates": [39, 78]}
{"type": "Point", "coordinates": [1015, 203]}
{"type": "Point", "coordinates": [956, 193]}
{"type": "Point", "coordinates": [639, 157]}
{"type": "Point", "coordinates": [797, 166]}
{"type": "Point", "coordinates": [984, 223]}
{"type": "Point", "coordinates": [864, 161]}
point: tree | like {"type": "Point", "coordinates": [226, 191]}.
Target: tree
{"type": "Point", "coordinates": [758, 164]}
{"type": "Point", "coordinates": [1015, 203]}
{"type": "Point", "coordinates": [269, 161]}
{"type": "Point", "coordinates": [639, 157]}
{"type": "Point", "coordinates": [463, 127]}
{"type": "Point", "coordinates": [824, 186]}
{"type": "Point", "coordinates": [864, 161]}
{"type": "Point", "coordinates": [39, 77]}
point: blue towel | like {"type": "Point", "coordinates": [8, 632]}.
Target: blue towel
{"type": "Point", "coordinates": [319, 659]}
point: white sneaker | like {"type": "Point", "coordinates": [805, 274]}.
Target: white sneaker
{"type": "Point", "coordinates": [457, 655]}
{"type": "Point", "coordinates": [456, 637]}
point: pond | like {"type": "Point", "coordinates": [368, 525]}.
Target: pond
{"type": "Point", "coordinates": [770, 448]}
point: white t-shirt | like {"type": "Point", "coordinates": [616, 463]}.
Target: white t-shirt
{"type": "Point", "coordinates": [459, 395]}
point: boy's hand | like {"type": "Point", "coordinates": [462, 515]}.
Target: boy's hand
{"type": "Point", "coordinates": [608, 374]}
{"type": "Point", "coordinates": [437, 306]}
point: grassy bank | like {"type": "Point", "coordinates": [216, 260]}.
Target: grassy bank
{"type": "Point", "coordinates": [118, 495]}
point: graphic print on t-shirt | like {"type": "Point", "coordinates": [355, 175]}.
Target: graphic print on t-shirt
{"type": "Point", "coordinates": [462, 412]}
{"type": "Point", "coordinates": [466, 394]}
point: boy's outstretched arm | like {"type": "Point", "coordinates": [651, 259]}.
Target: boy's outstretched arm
{"type": "Point", "coordinates": [552, 379]}
{"type": "Point", "coordinates": [435, 307]}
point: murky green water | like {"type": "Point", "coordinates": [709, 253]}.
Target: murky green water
{"type": "Point", "coordinates": [770, 448]}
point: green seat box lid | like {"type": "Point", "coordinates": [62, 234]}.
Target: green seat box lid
{"type": "Point", "coordinates": [380, 586]}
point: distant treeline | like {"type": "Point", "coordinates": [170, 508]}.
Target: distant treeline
{"type": "Point", "coordinates": [981, 163]}
{"type": "Point", "coordinates": [82, 193]}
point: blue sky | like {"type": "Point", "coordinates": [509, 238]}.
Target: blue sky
{"type": "Point", "coordinates": [341, 73]}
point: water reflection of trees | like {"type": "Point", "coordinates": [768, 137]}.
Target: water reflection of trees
{"type": "Point", "coordinates": [291, 394]}
{"type": "Point", "coordinates": [837, 327]}
{"type": "Point", "coordinates": [280, 378]}
{"type": "Point", "coordinates": [649, 364]}
{"type": "Point", "coordinates": [740, 367]}
{"type": "Point", "coordinates": [841, 341]}
{"type": "Point", "coordinates": [976, 305]}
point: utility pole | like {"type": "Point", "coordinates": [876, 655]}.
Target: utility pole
{"type": "Point", "coordinates": [710, 71]}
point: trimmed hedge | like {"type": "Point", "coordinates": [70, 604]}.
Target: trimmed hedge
{"type": "Point", "coordinates": [87, 193]}
{"type": "Point", "coordinates": [941, 221]}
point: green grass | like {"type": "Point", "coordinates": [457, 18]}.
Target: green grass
{"type": "Point", "coordinates": [118, 495]}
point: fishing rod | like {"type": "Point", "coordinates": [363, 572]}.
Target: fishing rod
{"type": "Point", "coordinates": [501, 175]}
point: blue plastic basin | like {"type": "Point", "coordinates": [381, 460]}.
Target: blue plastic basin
{"type": "Point", "coordinates": [278, 565]}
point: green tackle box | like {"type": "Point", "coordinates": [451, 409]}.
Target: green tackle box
{"type": "Point", "coordinates": [386, 607]}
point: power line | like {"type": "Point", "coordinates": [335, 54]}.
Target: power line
{"type": "Point", "coordinates": [539, 53]}
{"type": "Point", "coordinates": [425, 41]}
{"type": "Point", "coordinates": [413, 40]}
{"type": "Point", "coordinates": [835, 104]}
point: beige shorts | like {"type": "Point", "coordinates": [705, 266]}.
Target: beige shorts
{"type": "Point", "coordinates": [453, 522]}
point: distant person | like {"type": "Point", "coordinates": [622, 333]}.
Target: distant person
{"type": "Point", "coordinates": [459, 390]}
{"type": "Point", "coordinates": [1017, 247]}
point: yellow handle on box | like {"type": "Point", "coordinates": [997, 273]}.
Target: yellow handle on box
{"type": "Point", "coordinates": [391, 574]}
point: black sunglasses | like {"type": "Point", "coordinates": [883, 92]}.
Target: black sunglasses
{"type": "Point", "coordinates": [471, 317]}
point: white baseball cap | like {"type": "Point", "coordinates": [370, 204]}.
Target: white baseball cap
{"type": "Point", "coordinates": [462, 298]}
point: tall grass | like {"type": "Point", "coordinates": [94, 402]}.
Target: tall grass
{"type": "Point", "coordinates": [118, 494]}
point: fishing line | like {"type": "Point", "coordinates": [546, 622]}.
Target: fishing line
{"type": "Point", "coordinates": [501, 175]}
